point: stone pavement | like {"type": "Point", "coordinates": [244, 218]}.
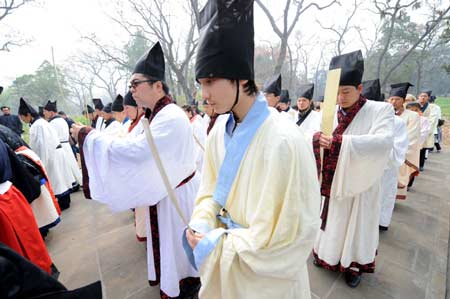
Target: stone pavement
{"type": "Point", "coordinates": [92, 244]}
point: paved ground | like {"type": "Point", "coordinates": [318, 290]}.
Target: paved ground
{"type": "Point", "coordinates": [92, 244]}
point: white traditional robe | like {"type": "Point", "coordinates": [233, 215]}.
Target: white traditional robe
{"type": "Point", "coordinates": [99, 124]}
{"type": "Point", "coordinates": [275, 197]}
{"type": "Point", "coordinates": [199, 135]}
{"type": "Point", "coordinates": [113, 128]}
{"type": "Point", "coordinates": [438, 116]}
{"type": "Point", "coordinates": [44, 207]}
{"type": "Point", "coordinates": [432, 114]}
{"type": "Point", "coordinates": [290, 115]}
{"type": "Point", "coordinates": [312, 124]}
{"type": "Point", "coordinates": [62, 129]}
{"type": "Point", "coordinates": [389, 180]}
{"type": "Point", "coordinates": [351, 233]}
{"type": "Point", "coordinates": [45, 143]}
{"type": "Point", "coordinates": [411, 165]}
{"type": "Point", "coordinates": [137, 130]}
{"type": "Point", "coordinates": [123, 174]}
{"type": "Point", "coordinates": [424, 129]}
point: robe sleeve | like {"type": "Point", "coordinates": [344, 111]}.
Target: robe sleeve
{"type": "Point", "coordinates": [123, 173]}
{"type": "Point", "coordinates": [434, 117]}
{"type": "Point", "coordinates": [278, 235]}
{"type": "Point", "coordinates": [400, 147]}
{"type": "Point", "coordinates": [39, 145]}
{"type": "Point", "coordinates": [363, 158]}
{"type": "Point", "coordinates": [413, 128]}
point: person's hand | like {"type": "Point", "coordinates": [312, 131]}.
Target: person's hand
{"type": "Point", "coordinates": [75, 130]}
{"type": "Point", "coordinates": [325, 141]}
{"type": "Point", "coordinates": [193, 238]}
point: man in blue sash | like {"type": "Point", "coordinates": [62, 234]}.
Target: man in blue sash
{"type": "Point", "coordinates": [256, 213]}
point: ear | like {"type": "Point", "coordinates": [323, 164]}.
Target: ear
{"type": "Point", "coordinates": [359, 88]}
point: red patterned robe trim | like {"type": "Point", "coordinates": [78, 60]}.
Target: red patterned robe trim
{"type": "Point", "coordinates": [81, 138]}
{"type": "Point", "coordinates": [366, 268]}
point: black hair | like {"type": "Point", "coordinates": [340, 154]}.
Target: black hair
{"type": "Point", "coordinates": [250, 87]}
{"type": "Point", "coordinates": [164, 85]}
{"type": "Point", "coordinates": [187, 108]}
{"type": "Point", "coordinates": [413, 104]}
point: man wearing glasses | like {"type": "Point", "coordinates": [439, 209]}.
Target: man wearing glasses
{"type": "Point", "coordinates": [136, 181]}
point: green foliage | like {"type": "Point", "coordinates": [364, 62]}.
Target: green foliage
{"type": "Point", "coordinates": [444, 103]}
{"type": "Point", "coordinates": [81, 119]}
{"type": "Point", "coordinates": [47, 83]}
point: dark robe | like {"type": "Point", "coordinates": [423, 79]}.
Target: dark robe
{"type": "Point", "coordinates": [21, 279]}
{"type": "Point", "coordinates": [13, 122]}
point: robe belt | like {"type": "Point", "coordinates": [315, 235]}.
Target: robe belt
{"type": "Point", "coordinates": [64, 141]}
{"type": "Point", "coordinates": [186, 180]}
{"type": "Point", "coordinates": [225, 218]}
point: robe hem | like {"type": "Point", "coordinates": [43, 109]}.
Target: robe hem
{"type": "Point", "coordinates": [365, 268]}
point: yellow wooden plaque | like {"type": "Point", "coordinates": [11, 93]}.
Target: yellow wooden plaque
{"type": "Point", "coordinates": [329, 105]}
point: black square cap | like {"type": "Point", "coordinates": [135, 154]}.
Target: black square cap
{"type": "Point", "coordinates": [372, 90]}
{"type": "Point", "coordinates": [98, 104]}
{"type": "Point", "coordinates": [273, 85]}
{"type": "Point", "coordinates": [50, 106]}
{"type": "Point", "coordinates": [129, 100]}
{"type": "Point", "coordinates": [152, 64]}
{"type": "Point", "coordinates": [284, 96]}
{"type": "Point", "coordinates": [117, 105]}
{"type": "Point", "coordinates": [306, 91]}
{"type": "Point", "coordinates": [352, 67]}
{"type": "Point", "coordinates": [226, 44]}
{"type": "Point", "coordinates": [400, 89]}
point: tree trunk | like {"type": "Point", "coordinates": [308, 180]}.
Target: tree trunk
{"type": "Point", "coordinates": [282, 55]}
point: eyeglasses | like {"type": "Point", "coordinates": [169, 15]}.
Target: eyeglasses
{"type": "Point", "coordinates": [135, 83]}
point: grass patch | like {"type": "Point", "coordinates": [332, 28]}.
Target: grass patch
{"type": "Point", "coordinates": [444, 103]}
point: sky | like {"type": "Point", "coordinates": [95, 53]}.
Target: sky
{"type": "Point", "coordinates": [61, 24]}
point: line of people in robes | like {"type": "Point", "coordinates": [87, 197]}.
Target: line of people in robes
{"type": "Point", "coordinates": [255, 204]}
{"type": "Point", "coordinates": [250, 188]}
{"type": "Point", "coordinates": [28, 209]}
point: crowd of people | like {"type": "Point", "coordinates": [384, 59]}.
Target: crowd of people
{"type": "Point", "coordinates": [254, 186]}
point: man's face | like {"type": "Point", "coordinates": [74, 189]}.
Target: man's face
{"type": "Point", "coordinates": [397, 102]}
{"type": "Point", "coordinates": [272, 100]}
{"type": "Point", "coordinates": [348, 95]}
{"type": "Point", "coordinates": [283, 106]}
{"type": "Point", "coordinates": [415, 109]}
{"type": "Point", "coordinates": [208, 109]}
{"type": "Point", "coordinates": [6, 111]}
{"type": "Point", "coordinates": [47, 114]}
{"type": "Point", "coordinates": [423, 98]}
{"type": "Point", "coordinates": [26, 118]}
{"type": "Point", "coordinates": [220, 93]}
{"type": "Point", "coordinates": [119, 116]}
{"type": "Point", "coordinates": [130, 111]}
{"type": "Point", "coordinates": [144, 93]}
{"type": "Point", "coordinates": [303, 103]}
{"type": "Point", "coordinates": [107, 116]}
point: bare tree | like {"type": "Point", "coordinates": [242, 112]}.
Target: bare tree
{"type": "Point", "coordinates": [430, 26]}
{"type": "Point", "coordinates": [393, 12]}
{"type": "Point", "coordinates": [12, 38]}
{"type": "Point", "coordinates": [298, 7]}
{"type": "Point", "coordinates": [95, 71]}
{"type": "Point", "coordinates": [151, 18]}
{"type": "Point", "coordinates": [369, 44]}
{"type": "Point", "coordinates": [341, 31]}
